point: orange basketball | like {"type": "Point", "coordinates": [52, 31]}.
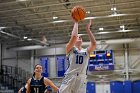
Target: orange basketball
{"type": "Point", "coordinates": [78, 13]}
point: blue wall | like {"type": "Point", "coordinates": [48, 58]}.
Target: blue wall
{"type": "Point", "coordinates": [136, 86]}
{"type": "Point", "coordinates": [90, 87]}
{"type": "Point", "coordinates": [128, 86]}
{"type": "Point", "coordinates": [116, 87]}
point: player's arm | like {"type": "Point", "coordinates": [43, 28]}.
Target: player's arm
{"type": "Point", "coordinates": [92, 45]}
{"type": "Point", "coordinates": [28, 86]}
{"type": "Point", "coordinates": [20, 90]}
{"type": "Point", "coordinates": [73, 38]}
{"type": "Point", "coordinates": [51, 84]}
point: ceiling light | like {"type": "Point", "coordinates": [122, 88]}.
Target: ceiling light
{"type": "Point", "coordinates": [88, 12]}
{"type": "Point", "coordinates": [102, 32]}
{"type": "Point", "coordinates": [25, 37]}
{"type": "Point", "coordinates": [113, 8]}
{"type": "Point", "coordinates": [29, 39]}
{"type": "Point", "coordinates": [122, 26]}
{"type": "Point", "coordinates": [90, 17]}
{"type": "Point", "coordinates": [59, 21]}
{"type": "Point", "coordinates": [81, 34]}
{"type": "Point", "coordinates": [55, 17]}
{"type": "Point", "coordinates": [101, 28]}
{"type": "Point", "coordinates": [2, 28]}
{"type": "Point", "coordinates": [124, 30]}
{"type": "Point", "coordinates": [114, 15]}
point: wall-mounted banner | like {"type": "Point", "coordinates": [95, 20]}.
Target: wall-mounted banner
{"type": "Point", "coordinates": [45, 62]}
{"type": "Point", "coordinates": [61, 65]}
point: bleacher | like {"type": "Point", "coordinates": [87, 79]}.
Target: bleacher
{"type": "Point", "coordinates": [12, 78]}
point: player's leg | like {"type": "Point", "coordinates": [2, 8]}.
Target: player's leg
{"type": "Point", "coordinates": [66, 86]}
{"type": "Point", "coordinates": [81, 85]}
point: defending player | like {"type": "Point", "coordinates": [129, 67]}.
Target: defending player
{"type": "Point", "coordinates": [38, 83]}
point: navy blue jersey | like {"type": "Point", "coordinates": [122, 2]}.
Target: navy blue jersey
{"type": "Point", "coordinates": [37, 86]}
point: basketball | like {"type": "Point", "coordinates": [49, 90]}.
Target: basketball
{"type": "Point", "coordinates": [78, 13]}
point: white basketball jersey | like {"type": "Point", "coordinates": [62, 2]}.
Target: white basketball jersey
{"type": "Point", "coordinates": [78, 61]}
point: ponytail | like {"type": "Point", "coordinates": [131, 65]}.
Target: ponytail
{"type": "Point", "coordinates": [33, 74]}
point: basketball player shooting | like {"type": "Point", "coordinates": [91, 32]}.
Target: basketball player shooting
{"type": "Point", "coordinates": [75, 76]}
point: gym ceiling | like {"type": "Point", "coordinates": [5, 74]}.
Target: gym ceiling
{"type": "Point", "coordinates": [26, 22]}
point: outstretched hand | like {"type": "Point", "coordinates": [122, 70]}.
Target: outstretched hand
{"type": "Point", "coordinates": [89, 25]}
{"type": "Point", "coordinates": [74, 20]}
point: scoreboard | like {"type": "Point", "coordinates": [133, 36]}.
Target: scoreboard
{"type": "Point", "coordinates": [101, 60]}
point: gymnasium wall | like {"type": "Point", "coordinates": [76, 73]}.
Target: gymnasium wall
{"type": "Point", "coordinates": [24, 57]}
{"type": "Point", "coordinates": [20, 59]}
{"type": "Point", "coordinates": [50, 51]}
{"type": "Point", "coordinates": [52, 66]}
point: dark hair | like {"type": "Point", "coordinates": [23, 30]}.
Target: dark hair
{"type": "Point", "coordinates": [35, 67]}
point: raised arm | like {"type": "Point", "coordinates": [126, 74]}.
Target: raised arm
{"type": "Point", "coordinates": [51, 84]}
{"type": "Point", "coordinates": [73, 38]}
{"type": "Point", "coordinates": [92, 45]}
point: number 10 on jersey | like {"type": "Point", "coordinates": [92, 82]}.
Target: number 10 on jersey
{"type": "Point", "coordinates": [79, 59]}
